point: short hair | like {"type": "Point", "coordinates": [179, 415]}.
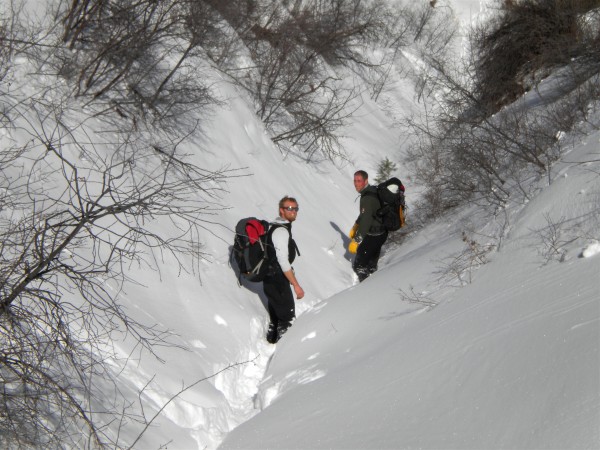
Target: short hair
{"type": "Point", "coordinates": [362, 173]}
{"type": "Point", "coordinates": [286, 199]}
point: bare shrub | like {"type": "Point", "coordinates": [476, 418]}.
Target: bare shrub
{"type": "Point", "coordinates": [462, 153]}
{"type": "Point", "coordinates": [6, 49]}
{"type": "Point", "coordinates": [74, 215]}
{"type": "Point", "coordinates": [295, 49]}
{"type": "Point", "coordinates": [417, 297]}
{"type": "Point", "coordinates": [301, 103]}
{"type": "Point", "coordinates": [552, 244]}
{"type": "Point", "coordinates": [15, 38]}
{"type": "Point", "coordinates": [484, 162]}
{"type": "Point", "coordinates": [336, 29]}
{"type": "Point", "coordinates": [460, 267]}
{"type": "Point", "coordinates": [136, 54]}
{"type": "Point", "coordinates": [555, 239]}
{"type": "Point", "coordinates": [313, 125]}
{"type": "Point", "coordinates": [522, 42]}
{"type": "Point", "coordinates": [239, 14]}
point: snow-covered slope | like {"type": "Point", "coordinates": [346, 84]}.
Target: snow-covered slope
{"type": "Point", "coordinates": [221, 323]}
{"type": "Point", "coordinates": [511, 360]}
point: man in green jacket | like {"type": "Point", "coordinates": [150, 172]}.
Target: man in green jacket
{"type": "Point", "coordinates": [368, 234]}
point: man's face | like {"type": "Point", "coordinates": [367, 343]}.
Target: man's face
{"type": "Point", "coordinates": [289, 211]}
{"type": "Point", "coordinates": [359, 183]}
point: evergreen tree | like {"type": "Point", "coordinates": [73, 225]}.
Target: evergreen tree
{"type": "Point", "coordinates": [384, 170]}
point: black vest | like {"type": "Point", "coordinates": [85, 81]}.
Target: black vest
{"type": "Point", "coordinates": [292, 247]}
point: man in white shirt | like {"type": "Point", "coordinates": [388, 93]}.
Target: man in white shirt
{"type": "Point", "coordinates": [282, 252]}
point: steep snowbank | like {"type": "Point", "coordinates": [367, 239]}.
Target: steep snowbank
{"type": "Point", "coordinates": [508, 361]}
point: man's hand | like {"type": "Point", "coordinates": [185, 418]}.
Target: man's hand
{"type": "Point", "coordinates": [353, 247]}
{"type": "Point", "coordinates": [291, 276]}
{"type": "Point", "coordinates": [353, 231]}
{"type": "Point", "coordinates": [299, 291]}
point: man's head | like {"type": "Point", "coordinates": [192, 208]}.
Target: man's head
{"type": "Point", "coordinates": [361, 179]}
{"type": "Point", "coordinates": [288, 208]}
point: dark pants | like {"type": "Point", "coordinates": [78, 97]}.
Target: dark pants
{"type": "Point", "coordinates": [367, 255]}
{"type": "Point", "coordinates": [282, 308]}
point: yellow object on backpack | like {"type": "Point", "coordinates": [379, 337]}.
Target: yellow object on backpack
{"type": "Point", "coordinates": [402, 221]}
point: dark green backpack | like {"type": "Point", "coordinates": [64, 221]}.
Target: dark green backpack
{"type": "Point", "coordinates": [391, 211]}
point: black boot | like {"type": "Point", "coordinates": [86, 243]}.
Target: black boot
{"type": "Point", "coordinates": [272, 334]}
{"type": "Point", "coordinates": [281, 329]}
{"type": "Point", "coordinates": [362, 273]}
{"type": "Point", "coordinates": [362, 276]}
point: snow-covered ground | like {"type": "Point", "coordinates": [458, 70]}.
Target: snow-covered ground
{"type": "Point", "coordinates": [511, 360]}
{"type": "Point", "coordinates": [505, 357]}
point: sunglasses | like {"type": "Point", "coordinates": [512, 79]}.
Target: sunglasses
{"type": "Point", "coordinates": [291, 208]}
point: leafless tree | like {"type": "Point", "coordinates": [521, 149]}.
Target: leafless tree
{"type": "Point", "coordinates": [5, 47]}
{"type": "Point", "coordinates": [75, 212]}
{"type": "Point", "coordinates": [339, 29]}
{"type": "Point", "coordinates": [294, 48]}
{"type": "Point", "coordinates": [290, 52]}
{"type": "Point", "coordinates": [137, 55]}
{"type": "Point", "coordinates": [297, 99]}
{"type": "Point", "coordinates": [463, 152]}
{"type": "Point", "coordinates": [525, 40]}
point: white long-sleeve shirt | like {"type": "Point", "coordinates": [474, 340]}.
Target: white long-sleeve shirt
{"type": "Point", "coordinates": [280, 238]}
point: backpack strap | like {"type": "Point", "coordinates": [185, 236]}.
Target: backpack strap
{"type": "Point", "coordinates": [376, 195]}
{"type": "Point", "coordinates": [288, 227]}
{"type": "Point", "coordinates": [373, 194]}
